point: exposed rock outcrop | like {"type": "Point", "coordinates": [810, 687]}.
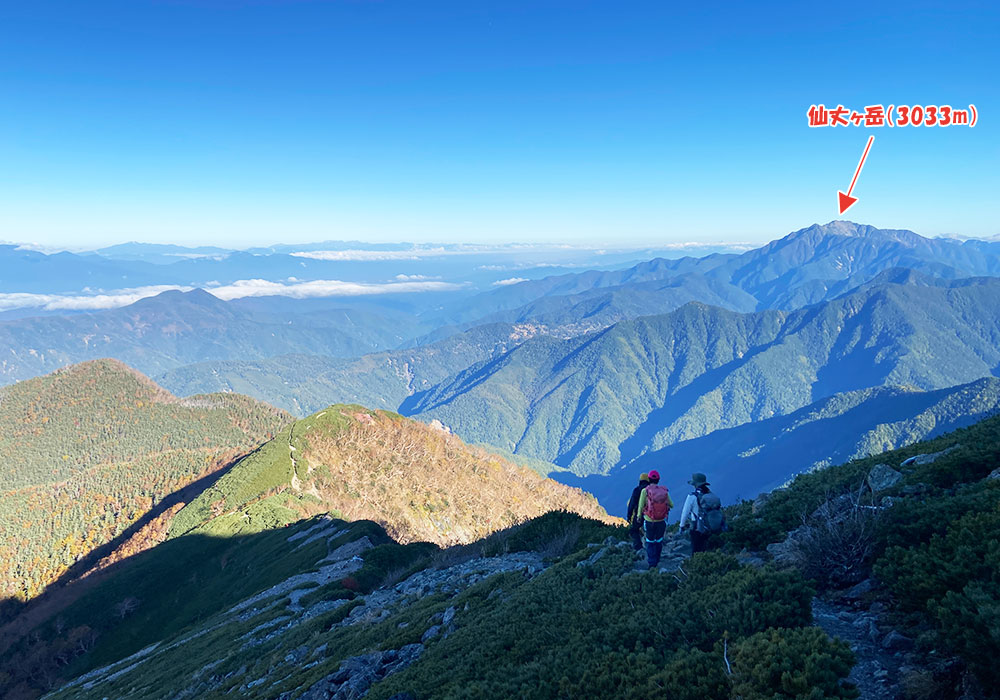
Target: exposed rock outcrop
{"type": "Point", "coordinates": [882, 477]}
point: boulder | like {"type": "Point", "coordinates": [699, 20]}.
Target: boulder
{"type": "Point", "coordinates": [357, 674]}
{"type": "Point", "coordinates": [995, 474]}
{"type": "Point", "coordinates": [404, 656]}
{"type": "Point", "coordinates": [895, 641]}
{"type": "Point", "coordinates": [787, 553]}
{"type": "Point", "coordinates": [882, 477]}
{"type": "Point", "coordinates": [760, 502]}
{"type": "Point", "coordinates": [860, 590]}
{"type": "Point", "coordinates": [917, 460]}
{"type": "Point", "coordinates": [783, 552]}
{"type": "Point", "coordinates": [593, 558]}
{"type": "Point", "coordinates": [431, 633]}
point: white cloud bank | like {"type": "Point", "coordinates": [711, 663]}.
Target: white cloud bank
{"type": "Point", "coordinates": [509, 281]}
{"type": "Point", "coordinates": [375, 255]}
{"type": "Point", "coordinates": [82, 302]}
{"type": "Point", "coordinates": [237, 290]}
{"type": "Point", "coordinates": [324, 288]}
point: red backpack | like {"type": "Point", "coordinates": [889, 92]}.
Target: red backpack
{"type": "Point", "coordinates": [657, 502]}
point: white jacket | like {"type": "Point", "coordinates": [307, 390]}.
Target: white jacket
{"type": "Point", "coordinates": [689, 514]}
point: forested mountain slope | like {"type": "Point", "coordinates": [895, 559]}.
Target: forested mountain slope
{"type": "Point", "coordinates": [304, 384]}
{"type": "Point", "coordinates": [419, 482]}
{"type": "Point", "coordinates": [603, 399]}
{"type": "Point", "coordinates": [87, 451]}
{"type": "Point", "coordinates": [758, 457]}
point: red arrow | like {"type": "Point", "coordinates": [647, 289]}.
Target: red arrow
{"type": "Point", "coordinates": [846, 200]}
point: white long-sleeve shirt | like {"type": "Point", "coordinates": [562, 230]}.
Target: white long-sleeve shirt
{"type": "Point", "coordinates": [690, 510]}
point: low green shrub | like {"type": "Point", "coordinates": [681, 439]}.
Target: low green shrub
{"type": "Point", "coordinates": [799, 663]}
{"type": "Point", "coordinates": [591, 632]}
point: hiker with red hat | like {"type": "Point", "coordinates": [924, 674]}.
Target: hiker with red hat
{"type": "Point", "coordinates": [655, 505]}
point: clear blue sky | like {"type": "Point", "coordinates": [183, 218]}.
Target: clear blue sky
{"type": "Point", "coordinates": [255, 122]}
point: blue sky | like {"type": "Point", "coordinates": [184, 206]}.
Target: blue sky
{"type": "Point", "coordinates": [242, 123]}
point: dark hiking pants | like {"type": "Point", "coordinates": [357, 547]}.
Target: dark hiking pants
{"type": "Point", "coordinates": [699, 541]}
{"type": "Point", "coordinates": [654, 541]}
{"type": "Point", "coordinates": [635, 532]}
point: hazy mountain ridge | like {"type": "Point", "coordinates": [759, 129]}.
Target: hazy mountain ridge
{"type": "Point", "coordinates": [175, 328]}
{"type": "Point", "coordinates": [805, 267]}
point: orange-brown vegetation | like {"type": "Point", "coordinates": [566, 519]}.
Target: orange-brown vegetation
{"type": "Point", "coordinates": [421, 483]}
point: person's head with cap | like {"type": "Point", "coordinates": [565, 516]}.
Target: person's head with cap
{"type": "Point", "coordinates": [643, 478]}
{"type": "Point", "coordinates": [698, 480]}
{"type": "Point", "coordinates": [654, 477]}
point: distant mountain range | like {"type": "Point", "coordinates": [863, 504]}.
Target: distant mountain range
{"type": "Point", "coordinates": [603, 399]}
{"type": "Point", "coordinates": [813, 264]}
{"type": "Point", "coordinates": [591, 371]}
{"type": "Point", "coordinates": [176, 328]}
{"type": "Point", "coordinates": [596, 401]}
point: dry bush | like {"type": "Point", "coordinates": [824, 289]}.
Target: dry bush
{"type": "Point", "coordinates": [836, 542]}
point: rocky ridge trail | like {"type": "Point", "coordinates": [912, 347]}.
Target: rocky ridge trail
{"type": "Point", "coordinates": [877, 671]}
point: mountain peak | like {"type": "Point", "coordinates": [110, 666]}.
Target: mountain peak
{"type": "Point", "coordinates": [850, 229]}
{"type": "Point", "coordinates": [173, 297]}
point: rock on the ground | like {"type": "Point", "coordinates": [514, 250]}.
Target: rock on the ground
{"type": "Point", "coordinates": [759, 503]}
{"type": "Point", "coordinates": [747, 558]}
{"type": "Point", "coordinates": [916, 460]}
{"type": "Point", "coordinates": [786, 553]}
{"type": "Point", "coordinates": [895, 641]}
{"type": "Point", "coordinates": [859, 591]}
{"type": "Point", "coordinates": [882, 477]}
{"type": "Point", "coordinates": [357, 674]}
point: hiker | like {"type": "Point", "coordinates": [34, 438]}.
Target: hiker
{"type": "Point", "coordinates": [702, 513]}
{"type": "Point", "coordinates": [632, 515]}
{"type": "Point", "coordinates": [655, 505]}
